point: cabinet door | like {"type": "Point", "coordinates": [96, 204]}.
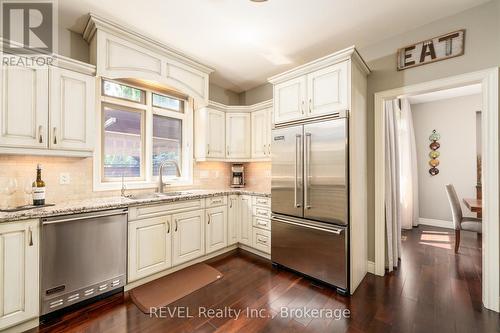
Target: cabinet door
{"type": "Point", "coordinates": [216, 134]}
{"type": "Point", "coordinates": [19, 284]}
{"type": "Point", "coordinates": [289, 100]}
{"type": "Point", "coordinates": [233, 220]}
{"type": "Point", "coordinates": [216, 228]}
{"type": "Point", "coordinates": [327, 90]}
{"type": "Point", "coordinates": [188, 236]}
{"type": "Point", "coordinates": [245, 230]}
{"type": "Point", "coordinates": [149, 246]}
{"type": "Point", "coordinates": [238, 142]}
{"type": "Point", "coordinates": [260, 141]}
{"type": "Point", "coordinates": [72, 110]}
{"type": "Point", "coordinates": [24, 107]}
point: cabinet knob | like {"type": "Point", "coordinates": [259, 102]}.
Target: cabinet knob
{"type": "Point", "coordinates": [168, 227]}
{"type": "Point", "coordinates": [176, 225]}
{"type": "Point", "coordinates": [55, 135]}
{"type": "Point", "coordinates": [40, 137]}
{"type": "Point", "coordinates": [208, 218]}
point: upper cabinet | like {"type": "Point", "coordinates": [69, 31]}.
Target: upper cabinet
{"type": "Point", "coordinates": [233, 133]}
{"type": "Point", "coordinates": [261, 134]}
{"type": "Point", "coordinates": [319, 88]}
{"type": "Point", "coordinates": [238, 142]}
{"type": "Point", "coordinates": [24, 107]}
{"type": "Point", "coordinates": [47, 110]}
{"type": "Point", "coordinates": [121, 52]}
{"type": "Point", "coordinates": [72, 105]}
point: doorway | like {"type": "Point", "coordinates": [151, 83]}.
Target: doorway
{"type": "Point", "coordinates": [488, 81]}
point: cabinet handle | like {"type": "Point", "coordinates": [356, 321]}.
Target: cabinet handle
{"type": "Point", "coordinates": [310, 105]}
{"type": "Point", "coordinates": [217, 201]}
{"type": "Point", "coordinates": [55, 136]}
{"type": "Point", "coordinates": [168, 227]}
{"type": "Point", "coordinates": [302, 107]}
{"type": "Point", "coordinates": [208, 149]}
{"type": "Point", "coordinates": [261, 223]}
{"type": "Point", "coordinates": [208, 218]}
{"type": "Point", "coordinates": [265, 150]}
{"type": "Point", "coordinates": [30, 231]}
{"type": "Point", "coordinates": [40, 137]}
{"type": "Point", "coordinates": [176, 225]}
{"type": "Point", "coordinates": [262, 201]}
{"type": "Point", "coordinates": [228, 151]}
{"type": "Point", "coordinates": [262, 241]}
{"type": "Point", "coordinates": [269, 149]}
{"type": "Point", "coordinates": [261, 214]}
{"type": "Point", "coordinates": [231, 203]}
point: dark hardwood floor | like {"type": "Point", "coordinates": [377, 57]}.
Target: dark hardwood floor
{"type": "Point", "coordinates": [434, 290]}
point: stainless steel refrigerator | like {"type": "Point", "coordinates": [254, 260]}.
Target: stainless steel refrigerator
{"type": "Point", "coordinates": [310, 202]}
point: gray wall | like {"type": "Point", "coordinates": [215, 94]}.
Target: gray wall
{"type": "Point", "coordinates": [482, 50]}
{"type": "Point", "coordinates": [258, 94]}
{"type": "Point", "coordinates": [72, 45]}
{"type": "Point", "coordinates": [455, 120]}
{"type": "Point", "coordinates": [221, 95]}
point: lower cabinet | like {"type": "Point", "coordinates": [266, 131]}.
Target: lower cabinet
{"type": "Point", "coordinates": [262, 240]}
{"type": "Point", "coordinates": [188, 236]}
{"type": "Point", "coordinates": [233, 217]}
{"type": "Point", "coordinates": [19, 283]}
{"type": "Point", "coordinates": [216, 229]}
{"type": "Point", "coordinates": [149, 246]}
{"type": "Point", "coordinates": [245, 229]}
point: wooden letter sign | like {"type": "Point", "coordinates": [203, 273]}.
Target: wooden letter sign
{"type": "Point", "coordinates": [432, 50]}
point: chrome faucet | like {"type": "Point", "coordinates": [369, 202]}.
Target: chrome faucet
{"type": "Point", "coordinates": [160, 173]}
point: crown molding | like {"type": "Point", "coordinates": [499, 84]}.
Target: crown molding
{"type": "Point", "coordinates": [349, 53]}
{"type": "Point", "coordinates": [240, 108]}
{"type": "Point", "coordinates": [74, 65]}
{"type": "Point", "coordinates": [97, 22]}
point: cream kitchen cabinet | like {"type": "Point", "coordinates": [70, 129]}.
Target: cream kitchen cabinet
{"type": "Point", "coordinates": [72, 105]}
{"type": "Point", "coordinates": [216, 228]}
{"type": "Point", "coordinates": [210, 134]}
{"type": "Point", "coordinates": [19, 277]}
{"type": "Point", "coordinates": [322, 90]}
{"type": "Point", "coordinates": [24, 107]}
{"type": "Point", "coordinates": [233, 219]}
{"type": "Point", "coordinates": [289, 100]}
{"type": "Point", "coordinates": [261, 134]}
{"type": "Point", "coordinates": [245, 223]}
{"type": "Point", "coordinates": [149, 246]}
{"type": "Point", "coordinates": [238, 140]}
{"type": "Point", "coordinates": [188, 236]}
{"type": "Point", "coordinates": [47, 110]}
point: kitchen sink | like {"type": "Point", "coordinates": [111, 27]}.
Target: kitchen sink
{"type": "Point", "coordinates": [146, 196]}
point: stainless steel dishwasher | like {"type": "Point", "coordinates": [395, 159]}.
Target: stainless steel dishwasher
{"type": "Point", "coordinates": [82, 256]}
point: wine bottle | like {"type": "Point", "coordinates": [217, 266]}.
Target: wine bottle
{"type": "Point", "coordinates": [38, 188]}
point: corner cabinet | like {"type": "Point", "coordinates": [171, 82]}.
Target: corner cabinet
{"type": "Point", "coordinates": [245, 229]}
{"type": "Point", "coordinates": [261, 134]}
{"type": "Point", "coordinates": [233, 219]}
{"type": "Point", "coordinates": [47, 110]}
{"type": "Point", "coordinates": [19, 272]}
{"type": "Point", "coordinates": [238, 144]}
{"type": "Point", "coordinates": [149, 246]}
{"type": "Point", "coordinates": [72, 105]}
{"type": "Point", "coordinates": [188, 236]}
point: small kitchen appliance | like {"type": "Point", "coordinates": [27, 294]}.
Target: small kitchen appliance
{"type": "Point", "coordinates": [237, 175]}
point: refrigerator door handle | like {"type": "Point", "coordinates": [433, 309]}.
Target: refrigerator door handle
{"type": "Point", "coordinates": [307, 166]}
{"type": "Point", "coordinates": [298, 139]}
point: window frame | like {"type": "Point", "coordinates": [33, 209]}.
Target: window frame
{"type": "Point", "coordinates": [147, 181]}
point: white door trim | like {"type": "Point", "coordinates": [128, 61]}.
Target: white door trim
{"type": "Point", "coordinates": [489, 81]}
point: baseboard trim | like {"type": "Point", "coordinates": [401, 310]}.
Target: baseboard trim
{"type": "Point", "coordinates": [254, 251]}
{"type": "Point", "coordinates": [22, 327]}
{"type": "Point", "coordinates": [436, 223]}
{"type": "Point", "coordinates": [370, 267]}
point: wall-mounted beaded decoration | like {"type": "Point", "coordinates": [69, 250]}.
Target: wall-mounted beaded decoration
{"type": "Point", "coordinates": [434, 154]}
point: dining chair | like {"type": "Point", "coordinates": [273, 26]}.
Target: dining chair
{"type": "Point", "coordinates": [459, 221]}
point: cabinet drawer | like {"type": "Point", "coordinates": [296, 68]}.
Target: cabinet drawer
{"type": "Point", "coordinates": [216, 201]}
{"type": "Point", "coordinates": [261, 201]}
{"type": "Point", "coordinates": [262, 240]}
{"type": "Point", "coordinates": [141, 212]}
{"type": "Point", "coordinates": [263, 223]}
{"type": "Point", "coordinates": [261, 212]}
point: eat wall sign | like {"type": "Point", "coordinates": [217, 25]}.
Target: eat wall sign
{"type": "Point", "coordinates": [432, 50]}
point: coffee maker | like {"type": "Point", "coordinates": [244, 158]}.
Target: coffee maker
{"type": "Point", "coordinates": [237, 175]}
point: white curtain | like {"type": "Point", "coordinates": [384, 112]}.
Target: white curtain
{"type": "Point", "coordinates": [401, 177]}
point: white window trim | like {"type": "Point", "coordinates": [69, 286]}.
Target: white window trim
{"type": "Point", "coordinates": [149, 181]}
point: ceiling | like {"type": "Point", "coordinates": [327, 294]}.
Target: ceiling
{"type": "Point", "coordinates": [439, 95]}
{"type": "Point", "coordinates": [246, 42]}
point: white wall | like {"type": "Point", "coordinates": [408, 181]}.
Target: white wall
{"type": "Point", "coordinates": [455, 120]}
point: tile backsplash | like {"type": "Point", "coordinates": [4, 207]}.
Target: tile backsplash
{"type": "Point", "coordinates": [206, 175]}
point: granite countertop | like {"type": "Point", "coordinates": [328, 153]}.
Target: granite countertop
{"type": "Point", "coordinates": [96, 204]}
